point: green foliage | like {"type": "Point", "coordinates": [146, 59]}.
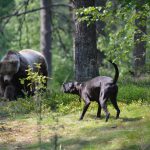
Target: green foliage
{"type": "Point", "coordinates": [118, 42]}
{"type": "Point", "coordinates": [131, 90]}
{"type": "Point", "coordinates": [6, 6]}
{"type": "Point", "coordinates": [24, 32]}
{"type": "Point", "coordinates": [129, 93]}
{"type": "Point", "coordinates": [25, 28]}
{"type": "Point", "coordinates": [47, 99]}
{"type": "Point", "coordinates": [35, 80]}
{"type": "Point", "coordinates": [62, 103]}
{"type": "Point", "coordinates": [21, 106]}
{"type": "Point", "coordinates": [59, 113]}
{"type": "Point", "coordinates": [62, 71]}
{"type": "Point", "coordinates": [43, 99]}
{"type": "Point", "coordinates": [50, 101]}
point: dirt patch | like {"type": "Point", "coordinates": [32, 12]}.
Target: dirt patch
{"type": "Point", "coordinates": [18, 134]}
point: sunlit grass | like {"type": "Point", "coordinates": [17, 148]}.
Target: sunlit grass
{"type": "Point", "coordinates": [60, 128]}
{"type": "Point", "coordinates": [131, 131]}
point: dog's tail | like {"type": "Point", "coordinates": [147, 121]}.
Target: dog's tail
{"type": "Point", "coordinates": [116, 72]}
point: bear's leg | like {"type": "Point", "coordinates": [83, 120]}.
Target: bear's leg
{"type": "Point", "coordinates": [10, 92]}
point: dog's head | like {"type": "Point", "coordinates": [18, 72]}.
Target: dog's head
{"type": "Point", "coordinates": [71, 87]}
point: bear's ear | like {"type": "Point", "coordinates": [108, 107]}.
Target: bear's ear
{"type": "Point", "coordinates": [8, 67]}
{"type": "Point", "coordinates": [10, 52]}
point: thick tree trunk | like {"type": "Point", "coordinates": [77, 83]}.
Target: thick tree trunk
{"type": "Point", "coordinates": [85, 46]}
{"type": "Point", "coordinates": [46, 38]}
{"type": "Point", "coordinates": [139, 52]}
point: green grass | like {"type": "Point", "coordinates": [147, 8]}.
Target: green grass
{"type": "Point", "coordinates": [20, 127]}
{"type": "Point", "coordinates": [130, 132]}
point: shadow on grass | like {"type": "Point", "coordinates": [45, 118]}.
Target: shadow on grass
{"type": "Point", "coordinates": [137, 147]}
{"type": "Point", "coordinates": [131, 119]}
{"type": "Point", "coordinates": [97, 137]}
{"type": "Point", "coordinates": [124, 119]}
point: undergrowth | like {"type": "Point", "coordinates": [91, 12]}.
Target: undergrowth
{"type": "Point", "coordinates": [60, 127]}
{"type": "Point", "coordinates": [130, 91]}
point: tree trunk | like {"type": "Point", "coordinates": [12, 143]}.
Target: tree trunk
{"type": "Point", "coordinates": [85, 46]}
{"type": "Point", "coordinates": [46, 38]}
{"type": "Point", "coordinates": [139, 52]}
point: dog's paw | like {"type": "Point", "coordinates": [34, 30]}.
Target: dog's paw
{"type": "Point", "coordinates": [97, 117]}
{"type": "Point", "coordinates": [107, 117]}
{"type": "Point", "coordinates": [80, 119]}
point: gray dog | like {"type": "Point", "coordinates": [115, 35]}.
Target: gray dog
{"type": "Point", "coordinates": [98, 89]}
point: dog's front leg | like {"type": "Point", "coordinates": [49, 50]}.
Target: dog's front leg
{"type": "Point", "coordinates": [87, 103]}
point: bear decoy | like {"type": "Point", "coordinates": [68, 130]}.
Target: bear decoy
{"type": "Point", "coordinates": [13, 67]}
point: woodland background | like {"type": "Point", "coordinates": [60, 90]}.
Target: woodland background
{"type": "Point", "coordinates": [77, 38]}
{"type": "Point", "coordinates": [121, 33]}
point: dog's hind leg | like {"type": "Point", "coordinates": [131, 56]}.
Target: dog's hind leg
{"type": "Point", "coordinates": [87, 103]}
{"type": "Point", "coordinates": [114, 102]}
{"type": "Point", "coordinates": [104, 106]}
{"type": "Point", "coordinates": [103, 100]}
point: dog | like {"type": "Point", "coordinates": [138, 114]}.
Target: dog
{"type": "Point", "coordinates": [98, 89]}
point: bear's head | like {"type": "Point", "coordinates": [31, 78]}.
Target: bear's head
{"type": "Point", "coordinates": [9, 66]}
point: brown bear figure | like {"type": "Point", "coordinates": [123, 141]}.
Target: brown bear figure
{"type": "Point", "coordinates": [13, 67]}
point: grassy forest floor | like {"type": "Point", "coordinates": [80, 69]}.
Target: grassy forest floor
{"type": "Point", "coordinates": [131, 131]}
{"type": "Point", "coordinates": [59, 128]}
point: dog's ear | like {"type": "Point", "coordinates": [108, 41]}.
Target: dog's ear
{"type": "Point", "coordinates": [75, 83]}
{"type": "Point", "coordinates": [78, 85]}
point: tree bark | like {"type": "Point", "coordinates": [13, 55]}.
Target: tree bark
{"type": "Point", "coordinates": [139, 52]}
{"type": "Point", "coordinates": [46, 34]}
{"type": "Point", "coordinates": [85, 46]}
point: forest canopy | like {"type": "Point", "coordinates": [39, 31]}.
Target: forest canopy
{"type": "Point", "coordinates": [122, 31]}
